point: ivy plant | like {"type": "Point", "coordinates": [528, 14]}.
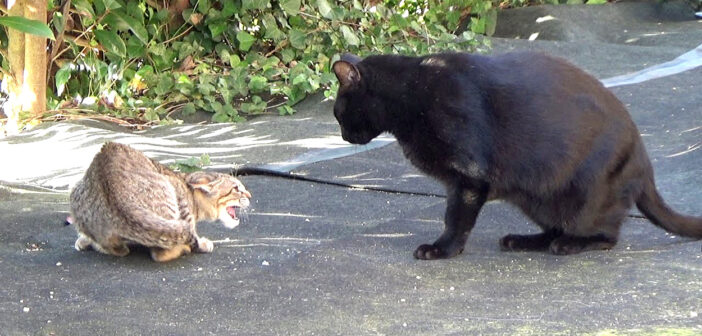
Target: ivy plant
{"type": "Point", "coordinates": [141, 62]}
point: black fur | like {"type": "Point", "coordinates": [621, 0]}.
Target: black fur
{"type": "Point", "coordinates": [524, 127]}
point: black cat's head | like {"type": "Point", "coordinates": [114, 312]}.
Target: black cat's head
{"type": "Point", "coordinates": [358, 111]}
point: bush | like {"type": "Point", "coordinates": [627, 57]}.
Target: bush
{"type": "Point", "coordinates": [137, 61]}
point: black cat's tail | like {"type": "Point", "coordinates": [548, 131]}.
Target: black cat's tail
{"type": "Point", "coordinates": [651, 204]}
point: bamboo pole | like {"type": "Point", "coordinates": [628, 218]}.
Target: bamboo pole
{"type": "Point", "coordinates": [15, 58]}
{"type": "Point", "coordinates": [35, 56]}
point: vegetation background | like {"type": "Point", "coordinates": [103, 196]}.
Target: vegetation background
{"type": "Point", "coordinates": [138, 62]}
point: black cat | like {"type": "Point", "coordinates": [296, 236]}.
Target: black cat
{"type": "Point", "coordinates": [523, 127]}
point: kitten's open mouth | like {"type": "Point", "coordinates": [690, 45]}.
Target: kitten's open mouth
{"type": "Point", "coordinates": [231, 210]}
{"type": "Point", "coordinates": [231, 218]}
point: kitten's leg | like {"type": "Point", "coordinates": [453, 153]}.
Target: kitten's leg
{"type": "Point", "coordinates": [117, 246]}
{"type": "Point", "coordinates": [535, 242]}
{"type": "Point", "coordinates": [199, 244]}
{"type": "Point", "coordinates": [163, 255]}
{"type": "Point", "coordinates": [462, 207]}
{"type": "Point", "coordinates": [114, 245]}
{"type": "Point", "coordinates": [204, 245]}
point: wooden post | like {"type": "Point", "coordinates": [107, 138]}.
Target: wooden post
{"type": "Point", "coordinates": [15, 57]}
{"type": "Point", "coordinates": [34, 86]}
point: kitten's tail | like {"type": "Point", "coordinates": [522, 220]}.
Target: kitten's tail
{"type": "Point", "coordinates": [651, 204]}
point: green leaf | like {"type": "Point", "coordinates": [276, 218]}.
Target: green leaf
{"type": "Point", "coordinates": [206, 88]}
{"type": "Point", "coordinates": [135, 48]}
{"type": "Point", "coordinates": [58, 21]}
{"type": "Point", "coordinates": [245, 40]}
{"type": "Point", "coordinates": [297, 39]}
{"type": "Point", "coordinates": [229, 9]}
{"type": "Point", "coordinates": [477, 25]}
{"type": "Point", "coordinates": [230, 110]}
{"type": "Point", "coordinates": [220, 117]}
{"type": "Point", "coordinates": [288, 55]}
{"type": "Point", "coordinates": [62, 77]}
{"type": "Point", "coordinates": [297, 22]}
{"type": "Point", "coordinates": [299, 79]}
{"type": "Point", "coordinates": [151, 115]}
{"type": "Point", "coordinates": [257, 83]}
{"type": "Point", "coordinates": [203, 6]}
{"type": "Point", "coordinates": [165, 84]}
{"type": "Point", "coordinates": [28, 26]}
{"type": "Point", "coordinates": [291, 7]}
{"type": "Point", "coordinates": [257, 105]}
{"type": "Point", "coordinates": [254, 4]}
{"type": "Point", "coordinates": [349, 36]}
{"type": "Point", "coordinates": [272, 30]}
{"type": "Point", "coordinates": [596, 2]}
{"type": "Point", "coordinates": [490, 22]}
{"type": "Point", "coordinates": [192, 164]}
{"type": "Point", "coordinates": [239, 85]}
{"type": "Point", "coordinates": [285, 110]}
{"type": "Point", "coordinates": [189, 109]}
{"type": "Point", "coordinates": [111, 41]}
{"type": "Point", "coordinates": [217, 107]}
{"type": "Point", "coordinates": [234, 60]}
{"type": "Point", "coordinates": [121, 21]}
{"type": "Point", "coordinates": [217, 28]}
{"type": "Point", "coordinates": [84, 8]}
{"type": "Point", "coordinates": [325, 9]}
{"type": "Point", "coordinates": [162, 16]}
{"type": "Point", "coordinates": [109, 4]}
{"type": "Point", "coordinates": [222, 50]}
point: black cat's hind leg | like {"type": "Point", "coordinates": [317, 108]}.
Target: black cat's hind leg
{"type": "Point", "coordinates": [535, 242]}
{"type": "Point", "coordinates": [601, 234]}
{"type": "Point", "coordinates": [462, 208]}
{"type": "Point", "coordinates": [568, 244]}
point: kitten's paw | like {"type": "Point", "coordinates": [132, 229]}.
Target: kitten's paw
{"type": "Point", "coordinates": [431, 252]}
{"type": "Point", "coordinates": [204, 245]}
{"type": "Point", "coordinates": [83, 243]}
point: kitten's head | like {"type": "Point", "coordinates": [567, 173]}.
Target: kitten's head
{"type": "Point", "coordinates": [358, 111]}
{"type": "Point", "coordinates": [218, 196]}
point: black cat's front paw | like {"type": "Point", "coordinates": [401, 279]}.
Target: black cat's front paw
{"type": "Point", "coordinates": [431, 252]}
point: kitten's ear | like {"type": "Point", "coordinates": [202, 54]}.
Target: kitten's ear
{"type": "Point", "coordinates": [346, 73]}
{"type": "Point", "coordinates": [202, 180]}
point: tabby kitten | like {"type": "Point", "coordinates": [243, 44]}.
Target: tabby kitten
{"type": "Point", "coordinates": [126, 198]}
{"type": "Point", "coordinates": [523, 127]}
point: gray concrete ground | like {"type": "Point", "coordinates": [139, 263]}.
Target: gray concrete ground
{"type": "Point", "coordinates": [317, 259]}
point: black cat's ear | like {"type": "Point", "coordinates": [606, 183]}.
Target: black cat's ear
{"type": "Point", "coordinates": [346, 73]}
{"type": "Point", "coordinates": [351, 58]}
